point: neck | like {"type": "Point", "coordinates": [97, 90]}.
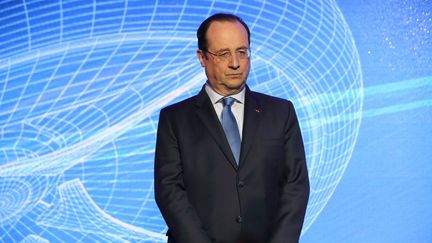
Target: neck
{"type": "Point", "coordinates": [226, 91]}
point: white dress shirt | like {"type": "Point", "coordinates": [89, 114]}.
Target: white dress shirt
{"type": "Point", "coordinates": [237, 108]}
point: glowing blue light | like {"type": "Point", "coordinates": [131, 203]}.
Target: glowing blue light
{"type": "Point", "coordinates": [81, 85]}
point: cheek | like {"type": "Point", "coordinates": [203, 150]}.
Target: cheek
{"type": "Point", "coordinates": [219, 72]}
{"type": "Point", "coordinates": [247, 67]}
{"type": "Point", "coordinates": [211, 71]}
{"type": "Point", "coordinates": [246, 71]}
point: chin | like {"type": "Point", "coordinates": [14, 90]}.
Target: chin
{"type": "Point", "coordinates": [235, 82]}
{"type": "Point", "coordinates": [236, 86]}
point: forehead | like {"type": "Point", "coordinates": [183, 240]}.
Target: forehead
{"type": "Point", "coordinates": [226, 34]}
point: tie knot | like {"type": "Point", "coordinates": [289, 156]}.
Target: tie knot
{"type": "Point", "coordinates": [228, 101]}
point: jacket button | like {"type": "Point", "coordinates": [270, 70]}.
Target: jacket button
{"type": "Point", "coordinates": [240, 184]}
{"type": "Point", "coordinates": [239, 219]}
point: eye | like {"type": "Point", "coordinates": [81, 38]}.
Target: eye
{"type": "Point", "coordinates": [242, 53]}
{"type": "Point", "coordinates": [224, 54]}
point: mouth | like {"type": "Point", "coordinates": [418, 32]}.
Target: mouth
{"type": "Point", "coordinates": [234, 75]}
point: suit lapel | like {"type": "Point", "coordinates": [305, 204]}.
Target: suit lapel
{"type": "Point", "coordinates": [252, 117]}
{"type": "Point", "coordinates": [207, 115]}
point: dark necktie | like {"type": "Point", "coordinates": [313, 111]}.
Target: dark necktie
{"type": "Point", "coordinates": [230, 127]}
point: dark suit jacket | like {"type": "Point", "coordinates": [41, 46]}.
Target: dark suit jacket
{"type": "Point", "coordinates": [202, 193]}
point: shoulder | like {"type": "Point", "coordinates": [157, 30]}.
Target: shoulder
{"type": "Point", "coordinates": [180, 107]}
{"type": "Point", "coordinates": [184, 104]}
{"type": "Point", "coordinates": [268, 100]}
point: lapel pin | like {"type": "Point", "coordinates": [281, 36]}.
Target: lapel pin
{"type": "Point", "coordinates": [257, 110]}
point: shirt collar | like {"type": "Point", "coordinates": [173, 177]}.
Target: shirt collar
{"type": "Point", "coordinates": [215, 97]}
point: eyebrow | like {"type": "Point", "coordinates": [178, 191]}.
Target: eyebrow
{"type": "Point", "coordinates": [242, 47]}
{"type": "Point", "coordinates": [227, 49]}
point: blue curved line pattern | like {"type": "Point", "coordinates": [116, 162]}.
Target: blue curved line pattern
{"type": "Point", "coordinates": [34, 239]}
{"type": "Point", "coordinates": [82, 82]}
{"type": "Point", "coordinates": [76, 206]}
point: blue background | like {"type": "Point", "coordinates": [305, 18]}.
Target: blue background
{"type": "Point", "coordinates": [82, 82]}
{"type": "Point", "coordinates": [385, 194]}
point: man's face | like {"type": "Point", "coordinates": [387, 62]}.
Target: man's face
{"type": "Point", "coordinates": [228, 76]}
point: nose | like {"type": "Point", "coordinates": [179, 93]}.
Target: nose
{"type": "Point", "coordinates": [234, 62]}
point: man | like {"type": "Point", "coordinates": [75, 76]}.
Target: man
{"type": "Point", "coordinates": [230, 164]}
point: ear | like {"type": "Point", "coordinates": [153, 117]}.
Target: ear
{"type": "Point", "coordinates": [201, 57]}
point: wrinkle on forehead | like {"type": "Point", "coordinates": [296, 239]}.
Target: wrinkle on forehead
{"type": "Point", "coordinates": [226, 35]}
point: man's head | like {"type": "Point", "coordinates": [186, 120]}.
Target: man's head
{"type": "Point", "coordinates": [223, 50]}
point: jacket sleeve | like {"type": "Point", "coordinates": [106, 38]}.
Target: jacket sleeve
{"type": "Point", "coordinates": [170, 192]}
{"type": "Point", "coordinates": [295, 191]}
